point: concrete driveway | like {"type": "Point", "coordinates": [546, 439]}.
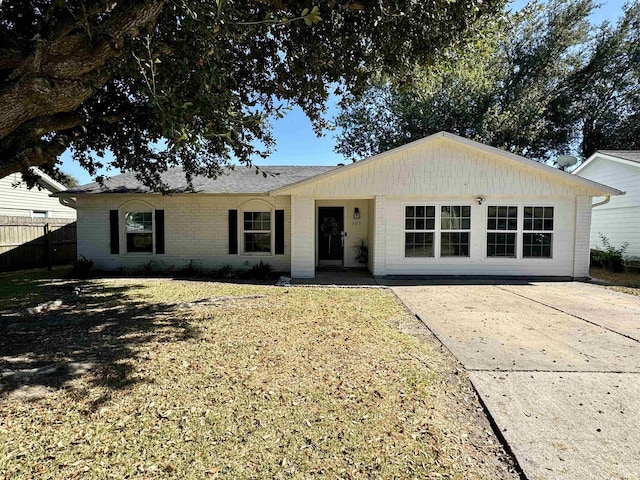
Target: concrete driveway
{"type": "Point", "coordinates": [556, 364]}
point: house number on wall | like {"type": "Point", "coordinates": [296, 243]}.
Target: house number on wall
{"type": "Point", "coordinates": [356, 223]}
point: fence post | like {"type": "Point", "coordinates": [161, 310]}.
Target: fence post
{"type": "Point", "coordinates": [47, 238]}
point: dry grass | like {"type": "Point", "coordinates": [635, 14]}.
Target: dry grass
{"type": "Point", "coordinates": [623, 282]}
{"type": "Point", "coordinates": [256, 382]}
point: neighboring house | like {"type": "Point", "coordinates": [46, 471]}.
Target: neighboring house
{"type": "Point", "coordinates": [443, 205]}
{"type": "Point", "coordinates": [35, 228]}
{"type": "Point", "coordinates": [19, 201]}
{"type": "Point", "coordinates": [617, 218]}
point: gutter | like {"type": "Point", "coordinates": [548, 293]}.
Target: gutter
{"type": "Point", "coordinates": [67, 202]}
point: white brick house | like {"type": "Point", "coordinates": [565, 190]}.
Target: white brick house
{"type": "Point", "coordinates": [617, 218]}
{"type": "Point", "coordinates": [442, 205]}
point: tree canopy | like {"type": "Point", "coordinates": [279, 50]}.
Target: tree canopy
{"type": "Point", "coordinates": [539, 82]}
{"type": "Point", "coordinates": [161, 83]}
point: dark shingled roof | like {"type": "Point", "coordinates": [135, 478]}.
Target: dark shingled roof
{"type": "Point", "coordinates": [631, 155]}
{"type": "Point", "coordinates": [241, 180]}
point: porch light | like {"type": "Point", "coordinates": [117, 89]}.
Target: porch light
{"type": "Point", "coordinates": [356, 213]}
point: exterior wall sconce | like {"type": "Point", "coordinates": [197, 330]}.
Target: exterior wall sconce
{"type": "Point", "coordinates": [480, 200]}
{"type": "Point", "coordinates": [356, 213]}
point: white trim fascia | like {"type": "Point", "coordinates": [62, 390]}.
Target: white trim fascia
{"type": "Point", "coordinates": [603, 156]}
{"type": "Point", "coordinates": [464, 141]}
{"type": "Point", "coordinates": [49, 182]}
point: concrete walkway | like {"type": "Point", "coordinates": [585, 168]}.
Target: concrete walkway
{"type": "Point", "coordinates": [556, 364]}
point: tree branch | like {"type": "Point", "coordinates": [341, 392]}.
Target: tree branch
{"type": "Point", "coordinates": [60, 75]}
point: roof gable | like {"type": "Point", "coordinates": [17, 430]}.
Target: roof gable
{"type": "Point", "coordinates": [454, 157]}
{"type": "Point", "coordinates": [627, 157]}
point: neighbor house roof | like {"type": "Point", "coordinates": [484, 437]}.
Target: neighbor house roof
{"type": "Point", "coordinates": [240, 180]}
{"type": "Point", "coordinates": [629, 157]}
{"type": "Point", "coordinates": [47, 182]}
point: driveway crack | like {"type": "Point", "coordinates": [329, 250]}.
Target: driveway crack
{"type": "Point", "coordinates": [568, 313]}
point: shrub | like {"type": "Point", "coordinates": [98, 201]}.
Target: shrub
{"type": "Point", "coordinates": [260, 271]}
{"type": "Point", "coordinates": [609, 257]}
{"type": "Point", "coordinates": [82, 267]}
{"type": "Point", "coordinates": [361, 250]}
{"type": "Point", "coordinates": [226, 272]}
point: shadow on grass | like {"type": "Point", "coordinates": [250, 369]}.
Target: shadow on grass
{"type": "Point", "coordinates": [98, 332]}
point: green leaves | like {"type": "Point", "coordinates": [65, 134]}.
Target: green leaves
{"type": "Point", "coordinates": [311, 17]}
{"type": "Point", "coordinates": [539, 82]}
{"type": "Point", "coordinates": [197, 84]}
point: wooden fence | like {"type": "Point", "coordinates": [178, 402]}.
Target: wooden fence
{"type": "Point", "coordinates": [36, 242]}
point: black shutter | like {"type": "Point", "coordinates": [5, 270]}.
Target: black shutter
{"type": "Point", "coordinates": [114, 232]}
{"type": "Point", "coordinates": [233, 232]}
{"type": "Point", "coordinates": [279, 232]}
{"type": "Point", "coordinates": [159, 231]}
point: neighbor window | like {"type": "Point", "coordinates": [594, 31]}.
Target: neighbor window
{"type": "Point", "coordinates": [139, 229]}
{"type": "Point", "coordinates": [257, 232]}
{"type": "Point", "coordinates": [39, 214]}
{"type": "Point", "coordinates": [455, 225]}
{"type": "Point", "coordinates": [419, 230]}
{"type": "Point", "coordinates": [502, 225]}
{"type": "Point", "coordinates": [537, 232]}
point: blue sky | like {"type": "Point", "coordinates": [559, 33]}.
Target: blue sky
{"type": "Point", "coordinates": [297, 144]}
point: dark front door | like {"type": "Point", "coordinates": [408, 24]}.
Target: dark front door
{"type": "Point", "coordinates": [330, 235]}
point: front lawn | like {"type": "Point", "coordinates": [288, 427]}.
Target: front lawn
{"type": "Point", "coordinates": [622, 282]}
{"type": "Point", "coordinates": [181, 379]}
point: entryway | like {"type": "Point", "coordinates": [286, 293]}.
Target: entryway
{"type": "Point", "coordinates": [331, 236]}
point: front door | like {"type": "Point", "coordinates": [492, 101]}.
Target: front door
{"type": "Point", "coordinates": [330, 235]}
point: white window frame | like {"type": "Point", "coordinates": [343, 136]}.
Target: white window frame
{"type": "Point", "coordinates": [124, 237]}
{"type": "Point", "coordinates": [414, 230]}
{"type": "Point", "coordinates": [520, 231]}
{"type": "Point", "coordinates": [437, 230]}
{"type": "Point", "coordinates": [452, 230]}
{"type": "Point", "coordinates": [46, 213]}
{"type": "Point", "coordinates": [543, 231]}
{"type": "Point", "coordinates": [271, 232]}
{"type": "Point", "coordinates": [515, 232]}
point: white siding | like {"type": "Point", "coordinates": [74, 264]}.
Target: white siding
{"type": "Point", "coordinates": [380, 236]}
{"type": "Point", "coordinates": [562, 263]}
{"type": "Point", "coordinates": [583, 227]}
{"type": "Point", "coordinates": [20, 201]}
{"type": "Point", "coordinates": [302, 237]}
{"type": "Point", "coordinates": [618, 220]}
{"type": "Point", "coordinates": [440, 168]}
{"type": "Point", "coordinates": [196, 229]}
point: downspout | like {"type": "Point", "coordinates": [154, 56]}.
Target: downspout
{"type": "Point", "coordinates": [603, 202]}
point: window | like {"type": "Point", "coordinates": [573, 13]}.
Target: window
{"type": "Point", "coordinates": [455, 225]}
{"type": "Point", "coordinates": [39, 214]}
{"type": "Point", "coordinates": [537, 232]}
{"type": "Point", "coordinates": [502, 226]}
{"type": "Point", "coordinates": [419, 226]}
{"type": "Point", "coordinates": [257, 232]}
{"type": "Point", "coordinates": [139, 230]}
